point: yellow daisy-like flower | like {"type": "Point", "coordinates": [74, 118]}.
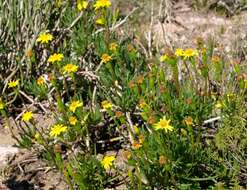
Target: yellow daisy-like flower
{"type": "Point", "coordinates": [113, 46]}
{"type": "Point", "coordinates": [163, 58]}
{"type": "Point", "coordinates": [102, 4]}
{"type": "Point", "coordinates": [72, 120]}
{"type": "Point", "coordinates": [218, 105]}
{"type": "Point", "coordinates": [106, 105]}
{"type": "Point", "coordinates": [27, 116]}
{"type": "Point", "coordinates": [105, 58]}
{"type": "Point", "coordinates": [74, 105]}
{"type": "Point", "coordinates": [40, 81]}
{"type": "Point", "coordinates": [70, 68]}
{"type": "Point", "coordinates": [55, 57]}
{"type": "Point", "coordinates": [37, 136]}
{"type": "Point", "coordinates": [13, 84]}
{"type": "Point", "coordinates": [163, 124]}
{"type": "Point", "coordinates": [57, 130]}
{"type": "Point", "coordinates": [188, 121]}
{"type": "Point", "coordinates": [1, 104]}
{"type": "Point", "coordinates": [81, 4]}
{"type": "Point", "coordinates": [107, 162]}
{"type": "Point", "coordinates": [44, 38]}
{"type": "Point", "coordinates": [179, 52]}
{"type": "Point", "coordinates": [190, 53]}
{"type": "Point", "coordinates": [100, 21]}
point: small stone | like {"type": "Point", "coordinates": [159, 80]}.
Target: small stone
{"type": "Point", "coordinates": [5, 152]}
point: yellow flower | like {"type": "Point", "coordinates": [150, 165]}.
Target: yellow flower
{"type": "Point", "coordinates": [1, 104]}
{"type": "Point", "coordinates": [44, 38]}
{"type": "Point", "coordinates": [57, 130]}
{"type": "Point", "coordinates": [13, 84]}
{"type": "Point", "coordinates": [190, 53]}
{"type": "Point", "coordinates": [188, 121]}
{"type": "Point", "coordinates": [100, 21]}
{"type": "Point", "coordinates": [163, 124]}
{"type": "Point", "coordinates": [55, 57]}
{"type": "Point", "coordinates": [113, 46]}
{"type": "Point", "coordinates": [72, 120]}
{"type": "Point", "coordinates": [218, 105]}
{"type": "Point", "coordinates": [105, 58]}
{"type": "Point", "coordinates": [102, 4]}
{"type": "Point", "coordinates": [74, 105]}
{"type": "Point", "coordinates": [27, 116]}
{"type": "Point", "coordinates": [37, 136]}
{"type": "Point", "coordinates": [81, 4]}
{"type": "Point", "coordinates": [179, 52]}
{"type": "Point", "coordinates": [41, 81]}
{"type": "Point", "coordinates": [163, 58]}
{"type": "Point", "coordinates": [70, 68]}
{"type": "Point", "coordinates": [107, 162]}
{"type": "Point", "coordinates": [106, 105]}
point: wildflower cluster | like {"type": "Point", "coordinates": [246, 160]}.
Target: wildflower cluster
{"type": "Point", "coordinates": [168, 115]}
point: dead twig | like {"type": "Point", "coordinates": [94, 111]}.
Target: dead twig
{"type": "Point", "coordinates": [33, 101]}
{"type": "Point", "coordinates": [130, 128]}
{"type": "Point", "coordinates": [212, 120]}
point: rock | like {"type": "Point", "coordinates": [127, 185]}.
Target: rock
{"type": "Point", "coordinates": [5, 152]}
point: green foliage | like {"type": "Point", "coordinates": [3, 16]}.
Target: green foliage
{"type": "Point", "coordinates": [87, 172]}
{"type": "Point", "coordinates": [180, 116]}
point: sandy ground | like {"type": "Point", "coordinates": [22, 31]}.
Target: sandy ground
{"type": "Point", "coordinates": [21, 169]}
{"type": "Point", "coordinates": [187, 25]}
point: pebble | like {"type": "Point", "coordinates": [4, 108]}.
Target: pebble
{"type": "Point", "coordinates": [5, 153]}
